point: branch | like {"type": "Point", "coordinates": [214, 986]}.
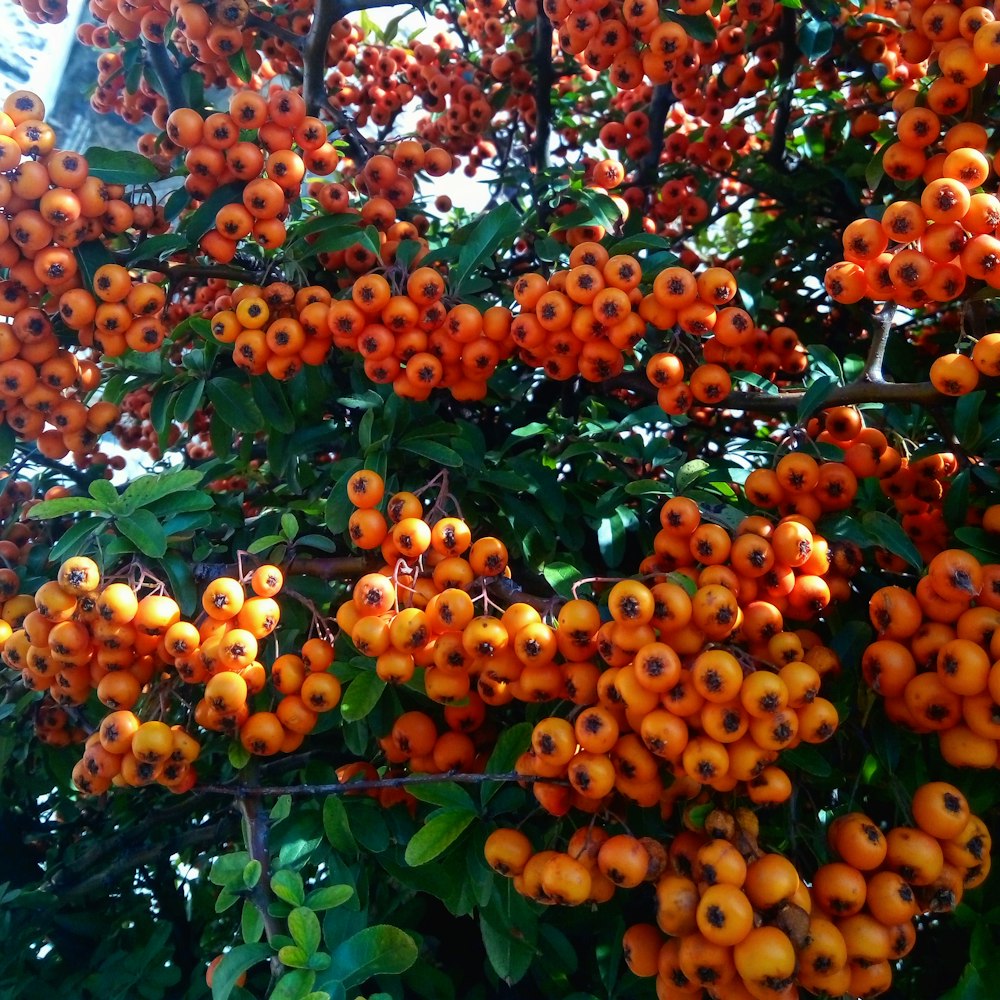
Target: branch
{"type": "Point", "coordinates": [848, 395]}
{"type": "Point", "coordinates": [663, 99]}
{"type": "Point", "coordinates": [275, 31]}
{"type": "Point", "coordinates": [256, 828]}
{"type": "Point", "coordinates": [872, 372]}
{"type": "Point", "coordinates": [331, 568]}
{"type": "Point", "coordinates": [167, 72]}
{"type": "Point", "coordinates": [314, 65]}
{"type": "Point", "coordinates": [328, 13]}
{"type": "Point", "coordinates": [98, 884]}
{"type": "Point", "coordinates": [544, 79]}
{"type": "Point", "coordinates": [789, 57]}
{"type": "Point", "coordinates": [350, 787]}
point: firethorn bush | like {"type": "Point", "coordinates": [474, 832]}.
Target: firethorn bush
{"type": "Point", "coordinates": [504, 503]}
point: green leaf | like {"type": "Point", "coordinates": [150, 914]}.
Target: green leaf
{"type": "Point", "coordinates": [304, 927]}
{"type": "Point", "coordinates": [889, 534]}
{"type": "Point", "coordinates": [251, 923]}
{"type": "Point", "coordinates": [815, 37]}
{"type": "Point", "coordinates": [689, 472]}
{"type": "Point", "coordinates": [329, 898]}
{"type": "Point", "coordinates": [61, 507]}
{"type": "Point", "coordinates": [809, 759]}
{"type": "Point", "coordinates": [510, 933]}
{"type": "Point", "coordinates": [956, 503]}
{"type": "Point", "coordinates": [7, 442]}
{"type": "Point", "coordinates": [697, 26]}
{"type": "Point", "coordinates": [77, 538]}
{"type": "Point", "coordinates": [968, 426]}
{"type": "Point", "coordinates": [815, 396]}
{"type": "Point", "coordinates": [203, 218]}
{"type": "Point", "coordinates": [439, 454]}
{"type": "Point", "coordinates": [145, 490]}
{"type": "Point", "coordinates": [512, 742]}
{"type": "Point", "coordinates": [144, 531]}
{"type": "Point", "coordinates": [234, 405]}
{"type": "Point", "coordinates": [269, 394]}
{"type": "Point", "coordinates": [157, 248]}
{"type": "Point", "coordinates": [189, 399]}
{"type": "Point", "coordinates": [239, 756]}
{"type": "Point", "coordinates": [875, 170]}
{"type": "Point", "coordinates": [361, 696]}
{"type": "Point", "coordinates": [611, 539]}
{"type": "Point", "coordinates": [443, 793]}
{"type": "Point", "coordinates": [234, 963]}
{"type": "Point", "coordinates": [337, 239]}
{"type": "Point", "coordinates": [105, 494]}
{"type": "Point", "coordinates": [378, 950]}
{"type": "Point", "coordinates": [643, 241]}
{"type": "Point", "coordinates": [287, 885]}
{"type": "Point", "coordinates": [442, 828]}
{"type": "Point", "coordinates": [89, 257]}
{"type": "Point", "coordinates": [294, 985]}
{"type": "Point", "coordinates": [119, 166]}
{"type": "Point", "coordinates": [252, 873]}
{"type": "Point", "coordinates": [755, 380]}
{"type": "Point", "coordinates": [240, 65]}
{"type": "Point", "coordinates": [281, 809]}
{"type": "Point", "coordinates": [482, 239]}
{"type": "Point", "coordinates": [181, 578]}
{"type": "Point", "coordinates": [561, 577]}
{"type": "Point", "coordinates": [337, 827]}
{"type": "Point", "coordinates": [293, 956]}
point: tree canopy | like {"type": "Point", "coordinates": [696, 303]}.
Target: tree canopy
{"type": "Point", "coordinates": [503, 501]}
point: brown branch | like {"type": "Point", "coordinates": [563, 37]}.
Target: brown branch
{"type": "Point", "coordinates": [350, 787]}
{"type": "Point", "coordinates": [332, 567]}
{"type": "Point", "coordinates": [256, 829]}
